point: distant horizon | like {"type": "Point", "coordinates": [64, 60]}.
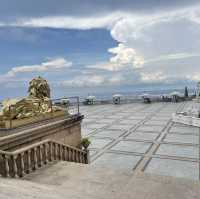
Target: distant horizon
{"type": "Point", "coordinates": [102, 93]}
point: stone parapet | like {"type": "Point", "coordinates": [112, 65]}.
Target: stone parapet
{"type": "Point", "coordinates": [64, 130]}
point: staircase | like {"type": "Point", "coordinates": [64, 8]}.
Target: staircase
{"type": "Point", "coordinates": [28, 159]}
{"type": "Point", "coordinates": [62, 180]}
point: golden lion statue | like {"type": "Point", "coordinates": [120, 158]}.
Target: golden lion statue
{"type": "Point", "coordinates": [39, 88]}
{"type": "Point", "coordinates": [37, 103]}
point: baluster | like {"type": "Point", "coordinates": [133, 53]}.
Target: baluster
{"type": "Point", "coordinates": [7, 169]}
{"type": "Point", "coordinates": [69, 154]}
{"type": "Point", "coordinates": [51, 151]}
{"type": "Point", "coordinates": [82, 157]}
{"type": "Point", "coordinates": [29, 169]}
{"type": "Point", "coordinates": [56, 151]}
{"type": "Point", "coordinates": [73, 155]}
{"type": "Point", "coordinates": [79, 157]}
{"type": "Point", "coordinates": [22, 164]}
{"type": "Point", "coordinates": [58, 147]}
{"type": "Point", "coordinates": [41, 155]}
{"type": "Point", "coordinates": [1, 171]}
{"type": "Point", "coordinates": [35, 159]}
{"type": "Point", "coordinates": [15, 169]}
{"type": "Point", "coordinates": [87, 157]}
{"type": "Point", "coordinates": [61, 152]}
{"type": "Point", "coordinates": [46, 153]}
{"type": "Point", "coordinates": [76, 156]}
{"type": "Point", "coordinates": [66, 154]}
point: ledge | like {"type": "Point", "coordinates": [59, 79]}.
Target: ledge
{"type": "Point", "coordinates": [37, 131]}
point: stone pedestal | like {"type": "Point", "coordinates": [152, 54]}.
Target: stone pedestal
{"type": "Point", "coordinates": [64, 130]}
{"type": "Point", "coordinates": [188, 120]}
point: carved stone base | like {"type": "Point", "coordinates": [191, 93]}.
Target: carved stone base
{"type": "Point", "coordinates": [8, 124]}
{"type": "Point", "coordinates": [188, 120]}
{"type": "Point", "coordinates": [197, 99]}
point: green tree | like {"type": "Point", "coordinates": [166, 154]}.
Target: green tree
{"type": "Point", "coordinates": [186, 92]}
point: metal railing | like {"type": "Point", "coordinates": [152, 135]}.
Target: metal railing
{"type": "Point", "coordinates": [28, 159]}
{"type": "Point", "coordinates": [71, 104]}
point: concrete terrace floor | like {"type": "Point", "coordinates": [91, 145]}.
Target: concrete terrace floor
{"type": "Point", "coordinates": [136, 152]}
{"type": "Point", "coordinates": [142, 138]}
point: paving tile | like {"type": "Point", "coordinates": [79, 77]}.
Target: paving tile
{"type": "Point", "coordinates": [142, 135]}
{"type": "Point", "coordinates": [87, 120]}
{"type": "Point", "coordinates": [105, 121]}
{"type": "Point", "coordinates": [120, 127]}
{"type": "Point", "coordinates": [178, 150]}
{"type": "Point", "coordinates": [121, 114]}
{"type": "Point", "coordinates": [97, 143]}
{"type": "Point", "coordinates": [184, 130]}
{"type": "Point", "coordinates": [131, 146]}
{"type": "Point", "coordinates": [136, 117]}
{"type": "Point", "coordinates": [96, 126]}
{"type": "Point", "coordinates": [117, 161]}
{"type": "Point", "coordinates": [129, 122]}
{"type": "Point", "coordinates": [165, 115]}
{"type": "Point", "coordinates": [114, 116]}
{"type": "Point", "coordinates": [180, 125]}
{"type": "Point", "coordinates": [175, 168]}
{"type": "Point", "coordinates": [150, 128]}
{"type": "Point", "coordinates": [160, 118]}
{"type": "Point", "coordinates": [109, 133]}
{"type": "Point", "coordinates": [85, 131]}
{"type": "Point", "coordinates": [157, 122]}
{"type": "Point", "coordinates": [92, 152]}
{"type": "Point", "coordinates": [182, 138]}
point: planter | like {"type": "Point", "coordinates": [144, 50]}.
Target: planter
{"type": "Point", "coordinates": [185, 119]}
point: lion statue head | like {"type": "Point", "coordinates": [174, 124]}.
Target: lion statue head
{"type": "Point", "coordinates": [39, 88]}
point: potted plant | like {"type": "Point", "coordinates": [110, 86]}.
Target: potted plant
{"type": "Point", "coordinates": [85, 142]}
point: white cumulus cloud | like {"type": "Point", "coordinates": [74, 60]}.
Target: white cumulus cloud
{"type": "Point", "coordinates": [69, 22]}
{"type": "Point", "coordinates": [152, 77]}
{"type": "Point", "coordinates": [51, 65]}
{"type": "Point", "coordinates": [123, 57]}
{"type": "Point", "coordinates": [158, 47]}
{"type": "Point", "coordinates": [84, 80]}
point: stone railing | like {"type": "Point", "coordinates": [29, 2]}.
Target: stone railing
{"type": "Point", "coordinates": [28, 159]}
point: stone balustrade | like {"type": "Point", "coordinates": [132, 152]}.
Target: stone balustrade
{"type": "Point", "coordinates": [28, 159]}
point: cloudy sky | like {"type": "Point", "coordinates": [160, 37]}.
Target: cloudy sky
{"type": "Point", "coordinates": [94, 45]}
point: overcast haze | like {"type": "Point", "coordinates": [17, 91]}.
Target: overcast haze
{"type": "Point", "coordinates": [98, 44]}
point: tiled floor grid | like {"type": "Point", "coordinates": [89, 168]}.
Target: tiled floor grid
{"type": "Point", "coordinates": [142, 137]}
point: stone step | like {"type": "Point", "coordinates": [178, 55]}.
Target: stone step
{"type": "Point", "coordinates": [72, 180]}
{"type": "Point", "coordinates": [81, 180]}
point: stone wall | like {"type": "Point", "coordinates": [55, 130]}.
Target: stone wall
{"type": "Point", "coordinates": [64, 130]}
